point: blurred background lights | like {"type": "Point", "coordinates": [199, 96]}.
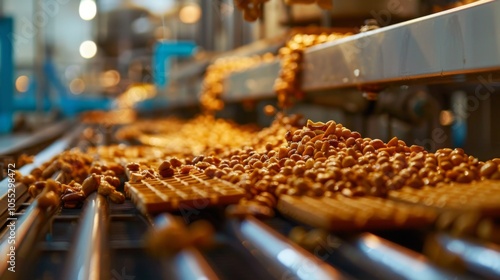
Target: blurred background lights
{"type": "Point", "coordinates": [22, 83]}
{"type": "Point", "coordinates": [88, 49]}
{"type": "Point", "coordinates": [142, 25]}
{"type": "Point", "coordinates": [162, 32]}
{"type": "Point", "coordinates": [158, 7]}
{"type": "Point", "coordinates": [110, 78]}
{"type": "Point", "coordinates": [77, 86]}
{"type": "Point", "coordinates": [190, 13]}
{"type": "Point", "coordinates": [136, 93]}
{"type": "Point", "coordinates": [87, 9]}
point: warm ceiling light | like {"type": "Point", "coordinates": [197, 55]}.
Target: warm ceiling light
{"type": "Point", "coordinates": [22, 83]}
{"type": "Point", "coordinates": [88, 49]}
{"type": "Point", "coordinates": [190, 13]}
{"type": "Point", "coordinates": [87, 9]}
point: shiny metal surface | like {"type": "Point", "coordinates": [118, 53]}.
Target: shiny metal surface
{"type": "Point", "coordinates": [54, 149]}
{"type": "Point", "coordinates": [458, 41]}
{"type": "Point", "coordinates": [483, 259]}
{"type": "Point", "coordinates": [402, 263]}
{"type": "Point", "coordinates": [28, 231]}
{"type": "Point", "coordinates": [190, 264]}
{"type": "Point", "coordinates": [22, 228]}
{"type": "Point", "coordinates": [257, 82]}
{"type": "Point", "coordinates": [89, 257]}
{"type": "Point", "coordinates": [283, 259]}
{"type": "Point", "coordinates": [19, 144]}
{"type": "Point", "coordinates": [444, 46]}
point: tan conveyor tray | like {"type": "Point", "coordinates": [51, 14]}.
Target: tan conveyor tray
{"type": "Point", "coordinates": [182, 192]}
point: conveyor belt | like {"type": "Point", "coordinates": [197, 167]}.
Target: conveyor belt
{"type": "Point", "coordinates": [247, 249]}
{"type": "Point", "coordinates": [105, 241]}
{"type": "Point", "coordinates": [446, 47]}
{"type": "Point", "coordinates": [12, 145]}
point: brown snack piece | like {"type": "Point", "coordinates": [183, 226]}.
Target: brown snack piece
{"type": "Point", "coordinates": [23, 160]}
{"type": "Point", "coordinates": [95, 170]}
{"type": "Point", "coordinates": [105, 188]}
{"type": "Point", "coordinates": [133, 166]}
{"type": "Point", "coordinates": [91, 184]}
{"type": "Point", "coordinates": [186, 169]}
{"type": "Point", "coordinates": [168, 172]}
{"type": "Point", "coordinates": [34, 191]}
{"type": "Point", "coordinates": [73, 197]}
{"type": "Point", "coordinates": [117, 169]}
{"type": "Point", "coordinates": [165, 170]}
{"type": "Point", "coordinates": [48, 199]}
{"type": "Point", "coordinates": [52, 185]}
{"type": "Point", "coordinates": [28, 180]}
{"type": "Point", "coordinates": [109, 173]}
{"type": "Point", "coordinates": [117, 197]}
{"type": "Point", "coordinates": [488, 169]}
{"type": "Point", "coordinates": [113, 181]}
{"type": "Point", "coordinates": [75, 186]}
{"type": "Point", "coordinates": [51, 169]}
{"type": "Point", "coordinates": [36, 172]}
{"type": "Point", "coordinates": [175, 162]}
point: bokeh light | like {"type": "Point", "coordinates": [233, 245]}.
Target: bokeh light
{"type": "Point", "coordinates": [88, 49]}
{"type": "Point", "coordinates": [190, 13]}
{"type": "Point", "coordinates": [87, 9]}
{"type": "Point", "coordinates": [77, 86]}
{"type": "Point", "coordinates": [22, 83]}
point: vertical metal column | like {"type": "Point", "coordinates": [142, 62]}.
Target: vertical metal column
{"type": "Point", "coordinates": [6, 73]}
{"type": "Point", "coordinates": [207, 30]}
{"type": "Point", "coordinates": [39, 59]}
{"type": "Point", "coordinates": [229, 23]}
{"type": "Point", "coordinates": [326, 18]}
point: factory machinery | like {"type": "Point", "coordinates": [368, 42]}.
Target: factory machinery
{"type": "Point", "coordinates": [406, 235]}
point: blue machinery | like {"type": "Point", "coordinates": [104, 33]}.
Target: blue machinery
{"type": "Point", "coordinates": [67, 103]}
{"type": "Point", "coordinates": [163, 52]}
{"type": "Point", "coordinates": [6, 74]}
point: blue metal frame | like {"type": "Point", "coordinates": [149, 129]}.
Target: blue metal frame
{"type": "Point", "coordinates": [6, 74]}
{"type": "Point", "coordinates": [163, 51]}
